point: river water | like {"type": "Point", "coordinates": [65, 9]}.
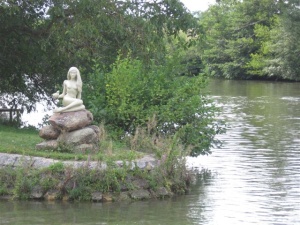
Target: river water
{"type": "Point", "coordinates": [254, 178]}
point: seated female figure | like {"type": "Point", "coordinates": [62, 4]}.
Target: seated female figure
{"type": "Point", "coordinates": [71, 95]}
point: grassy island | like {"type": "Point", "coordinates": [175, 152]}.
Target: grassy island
{"type": "Point", "coordinates": [114, 183]}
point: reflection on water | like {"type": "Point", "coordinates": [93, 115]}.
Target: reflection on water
{"type": "Point", "coordinates": [146, 212]}
{"type": "Point", "coordinates": [257, 171]}
{"type": "Point", "coordinates": [253, 179]}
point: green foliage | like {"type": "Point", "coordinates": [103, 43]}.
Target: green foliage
{"type": "Point", "coordinates": [131, 94]}
{"type": "Point", "coordinates": [7, 180]}
{"type": "Point", "coordinates": [81, 193]}
{"type": "Point", "coordinates": [24, 71]}
{"type": "Point", "coordinates": [251, 38]}
{"type": "Point", "coordinates": [258, 59]}
{"type": "Point", "coordinates": [24, 182]}
{"type": "Point", "coordinates": [66, 33]}
{"type": "Point", "coordinates": [284, 46]}
{"type": "Point", "coordinates": [172, 171]}
{"type": "Point", "coordinates": [57, 167]}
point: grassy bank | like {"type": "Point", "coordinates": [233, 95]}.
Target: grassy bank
{"type": "Point", "coordinates": [115, 183]}
{"type": "Point", "coordinates": [23, 141]}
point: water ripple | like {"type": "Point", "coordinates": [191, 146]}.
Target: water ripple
{"type": "Point", "coordinates": [258, 168]}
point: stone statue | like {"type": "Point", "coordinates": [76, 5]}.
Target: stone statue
{"type": "Point", "coordinates": [70, 126]}
{"type": "Point", "coordinates": [71, 95]}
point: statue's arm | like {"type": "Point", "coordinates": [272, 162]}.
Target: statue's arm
{"type": "Point", "coordinates": [56, 95]}
{"type": "Point", "coordinates": [64, 90]}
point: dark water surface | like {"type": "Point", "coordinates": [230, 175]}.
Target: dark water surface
{"type": "Point", "coordinates": [253, 179]}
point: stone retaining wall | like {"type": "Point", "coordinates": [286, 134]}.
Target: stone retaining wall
{"type": "Point", "coordinates": [138, 189]}
{"type": "Point", "coordinates": [16, 160]}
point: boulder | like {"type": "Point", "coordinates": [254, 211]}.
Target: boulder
{"type": "Point", "coordinates": [85, 135]}
{"type": "Point", "coordinates": [66, 198]}
{"type": "Point", "coordinates": [70, 121]}
{"type": "Point", "coordinates": [140, 194]}
{"type": "Point", "coordinates": [36, 192]}
{"type": "Point", "coordinates": [107, 197]}
{"type": "Point", "coordinates": [95, 128]}
{"type": "Point", "coordinates": [162, 192]}
{"type": "Point", "coordinates": [49, 133]}
{"type": "Point", "coordinates": [123, 196]}
{"type": "Point", "coordinates": [97, 196]}
{"type": "Point", "coordinates": [70, 131]}
{"type": "Point", "coordinates": [140, 183]}
{"type": "Point", "coordinates": [52, 195]}
{"type": "Point", "coordinates": [8, 160]}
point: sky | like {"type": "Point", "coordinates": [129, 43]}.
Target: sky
{"type": "Point", "coordinates": [197, 5]}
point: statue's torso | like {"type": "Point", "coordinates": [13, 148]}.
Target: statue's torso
{"type": "Point", "coordinates": [72, 90]}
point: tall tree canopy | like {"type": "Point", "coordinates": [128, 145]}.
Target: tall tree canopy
{"type": "Point", "coordinates": [22, 56]}
{"type": "Point", "coordinates": [251, 38]}
{"type": "Point", "coordinates": [281, 58]}
{"type": "Point", "coordinates": [41, 39]}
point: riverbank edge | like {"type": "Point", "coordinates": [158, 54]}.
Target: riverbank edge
{"type": "Point", "coordinates": [17, 160]}
{"type": "Point", "coordinates": [139, 174]}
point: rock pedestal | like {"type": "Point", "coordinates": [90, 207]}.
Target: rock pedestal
{"type": "Point", "coordinates": [70, 131]}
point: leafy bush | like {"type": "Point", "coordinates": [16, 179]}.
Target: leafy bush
{"type": "Point", "coordinates": [130, 95]}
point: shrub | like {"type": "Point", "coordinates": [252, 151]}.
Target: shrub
{"type": "Point", "coordinates": [130, 95]}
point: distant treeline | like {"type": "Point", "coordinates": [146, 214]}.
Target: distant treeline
{"type": "Point", "coordinates": [251, 39]}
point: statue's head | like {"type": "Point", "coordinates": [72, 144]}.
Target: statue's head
{"type": "Point", "coordinates": [77, 78]}
{"type": "Point", "coordinates": [75, 70]}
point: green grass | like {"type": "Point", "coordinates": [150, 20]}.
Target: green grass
{"type": "Point", "coordinates": [16, 140]}
{"type": "Point", "coordinates": [23, 141]}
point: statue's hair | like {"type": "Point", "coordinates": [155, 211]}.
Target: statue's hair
{"type": "Point", "coordinates": [78, 78]}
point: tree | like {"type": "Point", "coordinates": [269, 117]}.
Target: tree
{"type": "Point", "coordinates": [232, 40]}
{"type": "Point", "coordinates": [42, 38]}
{"type": "Point", "coordinates": [282, 58]}
{"type": "Point", "coordinates": [23, 68]}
